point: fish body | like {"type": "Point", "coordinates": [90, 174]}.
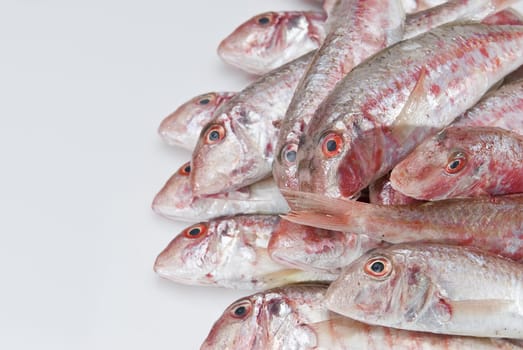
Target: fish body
{"type": "Point", "coordinates": [359, 29]}
{"type": "Point", "coordinates": [450, 11]}
{"type": "Point", "coordinates": [463, 162]}
{"type": "Point", "coordinates": [269, 40]}
{"type": "Point", "coordinates": [494, 224]}
{"type": "Point", "coordinates": [177, 201]}
{"type": "Point", "coordinates": [228, 252]}
{"type": "Point", "coordinates": [313, 249]}
{"type": "Point", "coordinates": [237, 147]}
{"type": "Point", "coordinates": [183, 126]}
{"type": "Point", "coordinates": [433, 288]}
{"type": "Point", "coordinates": [295, 317]}
{"type": "Point", "coordinates": [390, 103]}
{"type": "Point", "coordinates": [500, 108]}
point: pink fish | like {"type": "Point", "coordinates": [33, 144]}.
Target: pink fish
{"type": "Point", "coordinates": [229, 252]}
{"type": "Point", "coordinates": [183, 126]}
{"type": "Point", "coordinates": [313, 249]}
{"type": "Point", "coordinates": [177, 201]}
{"type": "Point", "coordinates": [491, 223]}
{"type": "Point", "coordinates": [463, 162]}
{"type": "Point", "coordinates": [433, 288]}
{"type": "Point", "coordinates": [420, 175]}
{"type": "Point", "coordinates": [295, 317]}
{"type": "Point", "coordinates": [360, 28]}
{"type": "Point", "coordinates": [237, 147]}
{"type": "Point", "coordinates": [269, 40]}
{"type": "Point", "coordinates": [390, 103]}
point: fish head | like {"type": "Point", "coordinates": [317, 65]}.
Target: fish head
{"type": "Point", "coordinates": [226, 156]}
{"type": "Point", "coordinates": [176, 197]}
{"type": "Point", "coordinates": [273, 319]}
{"type": "Point", "coordinates": [335, 161]}
{"type": "Point", "coordinates": [441, 167]}
{"type": "Point", "coordinates": [190, 258]}
{"type": "Point", "coordinates": [239, 327]}
{"type": "Point", "coordinates": [308, 248]}
{"type": "Point", "coordinates": [383, 287]}
{"type": "Point", "coordinates": [271, 39]}
{"type": "Point", "coordinates": [183, 126]}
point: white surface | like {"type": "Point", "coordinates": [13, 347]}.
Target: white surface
{"type": "Point", "coordinates": [83, 87]}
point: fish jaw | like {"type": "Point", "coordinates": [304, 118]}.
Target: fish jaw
{"type": "Point", "coordinates": [182, 127]}
{"type": "Point", "coordinates": [228, 164]}
{"type": "Point", "coordinates": [269, 40]}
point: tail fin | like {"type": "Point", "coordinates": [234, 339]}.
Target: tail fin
{"type": "Point", "coordinates": [317, 210]}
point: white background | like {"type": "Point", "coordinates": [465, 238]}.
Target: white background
{"type": "Point", "coordinates": [83, 87]}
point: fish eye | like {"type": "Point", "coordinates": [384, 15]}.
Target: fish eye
{"type": "Point", "coordinates": [214, 134]}
{"type": "Point", "coordinates": [263, 20]}
{"type": "Point", "coordinates": [456, 162]}
{"type": "Point", "coordinates": [206, 99]}
{"type": "Point", "coordinates": [331, 145]}
{"type": "Point", "coordinates": [378, 267]}
{"type": "Point", "coordinates": [195, 231]}
{"type": "Point", "coordinates": [185, 169]}
{"type": "Point", "coordinates": [289, 153]}
{"type": "Point", "coordinates": [241, 310]}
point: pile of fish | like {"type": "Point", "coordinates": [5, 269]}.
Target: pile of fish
{"type": "Point", "coordinates": [368, 184]}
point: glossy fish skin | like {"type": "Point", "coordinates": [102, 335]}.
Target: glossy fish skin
{"type": "Point", "coordinates": [390, 103]}
{"type": "Point", "coordinates": [177, 201]}
{"type": "Point", "coordinates": [295, 317]}
{"type": "Point", "coordinates": [434, 288]}
{"type": "Point", "coordinates": [273, 319]}
{"type": "Point", "coordinates": [494, 224]}
{"type": "Point", "coordinates": [183, 126]}
{"type": "Point", "coordinates": [360, 28]}
{"type": "Point", "coordinates": [313, 249]}
{"type": "Point", "coordinates": [228, 252]}
{"type": "Point", "coordinates": [269, 40]}
{"type": "Point", "coordinates": [237, 147]}
{"type": "Point", "coordinates": [463, 162]}
{"type": "Point", "coordinates": [463, 10]}
{"type": "Point", "coordinates": [382, 192]}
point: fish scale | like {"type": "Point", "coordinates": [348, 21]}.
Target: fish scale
{"type": "Point", "coordinates": [386, 106]}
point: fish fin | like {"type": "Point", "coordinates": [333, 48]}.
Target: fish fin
{"type": "Point", "coordinates": [316, 210]}
{"type": "Point", "coordinates": [416, 105]}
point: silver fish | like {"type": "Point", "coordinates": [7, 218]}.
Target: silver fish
{"type": "Point", "coordinates": [433, 288]}
{"type": "Point", "coordinates": [183, 126]}
{"type": "Point", "coordinates": [390, 103]}
{"type": "Point", "coordinates": [360, 28]}
{"type": "Point", "coordinates": [237, 147]}
{"type": "Point", "coordinates": [417, 175]}
{"type": "Point", "coordinates": [177, 201]}
{"type": "Point", "coordinates": [295, 318]}
{"type": "Point", "coordinates": [491, 223]}
{"type": "Point", "coordinates": [269, 40]}
{"type": "Point", "coordinates": [229, 252]}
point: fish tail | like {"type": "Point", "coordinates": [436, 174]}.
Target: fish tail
{"type": "Point", "coordinates": [317, 210]}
